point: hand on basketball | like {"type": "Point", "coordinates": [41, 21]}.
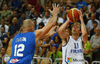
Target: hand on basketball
{"type": "Point", "coordinates": [55, 9]}
{"type": "Point", "coordinates": [80, 15]}
{"type": "Point", "coordinates": [68, 19]}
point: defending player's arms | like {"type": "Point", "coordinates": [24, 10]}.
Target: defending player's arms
{"type": "Point", "coordinates": [51, 23]}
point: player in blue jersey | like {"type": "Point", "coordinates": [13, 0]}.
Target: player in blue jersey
{"type": "Point", "coordinates": [23, 44]}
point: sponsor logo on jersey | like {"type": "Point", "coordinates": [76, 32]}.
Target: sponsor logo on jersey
{"type": "Point", "coordinates": [14, 60]}
{"type": "Point", "coordinates": [69, 59]}
{"type": "Point", "coordinates": [74, 60]}
{"type": "Point", "coordinates": [76, 51]}
{"type": "Point", "coordinates": [21, 39]}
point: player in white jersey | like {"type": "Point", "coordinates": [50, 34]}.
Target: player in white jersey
{"type": "Point", "coordinates": [72, 48]}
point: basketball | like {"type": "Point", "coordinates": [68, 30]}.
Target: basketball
{"type": "Point", "coordinates": [73, 14]}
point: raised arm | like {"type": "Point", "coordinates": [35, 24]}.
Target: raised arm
{"type": "Point", "coordinates": [61, 31]}
{"type": "Point", "coordinates": [83, 29]}
{"type": "Point", "coordinates": [51, 23]}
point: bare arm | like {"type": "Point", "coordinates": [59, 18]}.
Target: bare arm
{"type": "Point", "coordinates": [45, 45]}
{"type": "Point", "coordinates": [95, 48]}
{"type": "Point", "coordinates": [51, 23]}
{"type": "Point", "coordinates": [61, 30]}
{"type": "Point", "coordinates": [5, 40]}
{"type": "Point", "coordinates": [83, 29]}
{"type": "Point", "coordinates": [85, 51]}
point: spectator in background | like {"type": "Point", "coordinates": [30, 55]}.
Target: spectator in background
{"type": "Point", "coordinates": [81, 4]}
{"type": "Point", "coordinates": [37, 17]}
{"type": "Point", "coordinates": [45, 46]}
{"type": "Point", "coordinates": [22, 18]}
{"type": "Point", "coordinates": [49, 4]}
{"type": "Point", "coordinates": [46, 17]}
{"type": "Point", "coordinates": [95, 42]}
{"type": "Point", "coordinates": [35, 25]}
{"type": "Point", "coordinates": [3, 53]}
{"type": "Point", "coordinates": [31, 15]}
{"type": "Point", "coordinates": [41, 25]}
{"type": "Point", "coordinates": [92, 31]}
{"type": "Point", "coordinates": [39, 7]}
{"type": "Point", "coordinates": [61, 13]}
{"type": "Point", "coordinates": [3, 37]}
{"type": "Point", "coordinates": [45, 9]}
{"type": "Point", "coordinates": [29, 7]}
{"type": "Point", "coordinates": [24, 6]}
{"type": "Point", "coordinates": [98, 4]}
{"type": "Point", "coordinates": [32, 2]}
{"type": "Point", "coordinates": [4, 25]}
{"type": "Point", "coordinates": [86, 51]}
{"type": "Point", "coordinates": [93, 11]}
{"type": "Point", "coordinates": [5, 11]}
{"type": "Point", "coordinates": [13, 29]}
{"type": "Point", "coordinates": [57, 40]}
{"type": "Point", "coordinates": [89, 6]}
{"type": "Point", "coordinates": [16, 4]}
{"type": "Point", "coordinates": [69, 3]}
{"type": "Point", "coordinates": [55, 53]}
{"type": "Point", "coordinates": [84, 16]}
{"type": "Point", "coordinates": [15, 14]}
{"type": "Point", "coordinates": [90, 22]}
{"type": "Point", "coordinates": [61, 4]}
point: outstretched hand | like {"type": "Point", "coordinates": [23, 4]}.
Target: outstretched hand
{"type": "Point", "coordinates": [55, 9]}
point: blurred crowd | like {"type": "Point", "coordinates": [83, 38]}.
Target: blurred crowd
{"type": "Point", "coordinates": [14, 12]}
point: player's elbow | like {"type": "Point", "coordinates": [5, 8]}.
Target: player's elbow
{"type": "Point", "coordinates": [84, 34]}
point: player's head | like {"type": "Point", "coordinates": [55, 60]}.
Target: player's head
{"type": "Point", "coordinates": [28, 25]}
{"type": "Point", "coordinates": [76, 28]}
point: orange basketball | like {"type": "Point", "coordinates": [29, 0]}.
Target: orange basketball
{"type": "Point", "coordinates": [73, 14]}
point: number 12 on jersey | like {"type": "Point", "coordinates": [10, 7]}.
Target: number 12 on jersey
{"type": "Point", "coordinates": [19, 48]}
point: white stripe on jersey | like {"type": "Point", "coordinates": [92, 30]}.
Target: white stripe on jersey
{"type": "Point", "coordinates": [73, 51]}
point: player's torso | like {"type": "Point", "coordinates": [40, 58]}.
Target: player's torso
{"type": "Point", "coordinates": [73, 52]}
{"type": "Point", "coordinates": [23, 47]}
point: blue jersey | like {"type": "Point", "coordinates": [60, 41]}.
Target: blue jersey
{"type": "Point", "coordinates": [23, 48]}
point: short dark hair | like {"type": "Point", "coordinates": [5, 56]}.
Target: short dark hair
{"type": "Point", "coordinates": [47, 12]}
{"type": "Point", "coordinates": [94, 6]}
{"type": "Point", "coordinates": [42, 24]}
{"type": "Point", "coordinates": [3, 27]}
{"type": "Point", "coordinates": [68, 6]}
{"type": "Point", "coordinates": [95, 22]}
{"type": "Point", "coordinates": [4, 47]}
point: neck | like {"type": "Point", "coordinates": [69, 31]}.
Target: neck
{"type": "Point", "coordinates": [3, 55]}
{"type": "Point", "coordinates": [93, 19]}
{"type": "Point", "coordinates": [2, 32]}
{"type": "Point", "coordinates": [97, 35]}
{"type": "Point", "coordinates": [3, 24]}
{"type": "Point", "coordinates": [75, 36]}
{"type": "Point", "coordinates": [25, 31]}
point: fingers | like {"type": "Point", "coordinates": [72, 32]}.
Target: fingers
{"type": "Point", "coordinates": [50, 10]}
{"type": "Point", "coordinates": [54, 5]}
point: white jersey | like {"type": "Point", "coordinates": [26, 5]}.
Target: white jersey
{"type": "Point", "coordinates": [73, 51]}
